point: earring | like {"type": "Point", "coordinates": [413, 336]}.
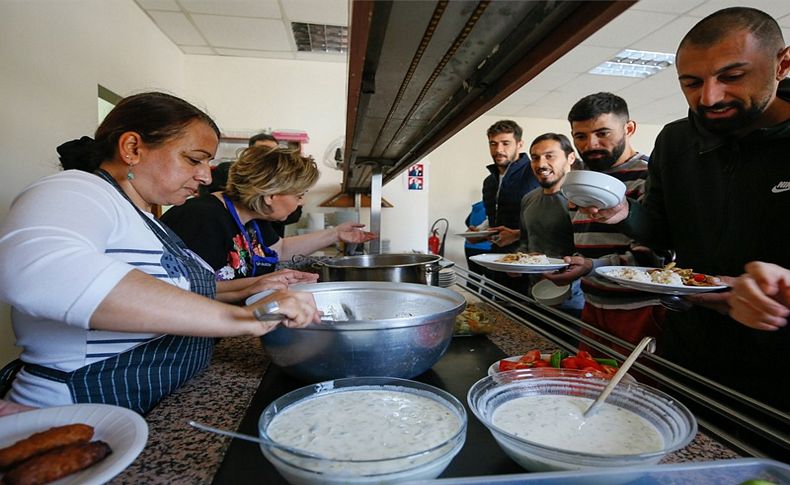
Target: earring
{"type": "Point", "coordinates": [129, 174]}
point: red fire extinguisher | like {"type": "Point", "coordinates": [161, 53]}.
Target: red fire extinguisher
{"type": "Point", "coordinates": [433, 242]}
{"type": "Point", "coordinates": [436, 245]}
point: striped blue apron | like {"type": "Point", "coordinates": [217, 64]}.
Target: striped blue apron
{"type": "Point", "coordinates": [140, 377]}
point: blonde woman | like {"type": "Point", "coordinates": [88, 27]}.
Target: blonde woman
{"type": "Point", "coordinates": [231, 229]}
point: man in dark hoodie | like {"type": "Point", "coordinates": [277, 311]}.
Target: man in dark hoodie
{"type": "Point", "coordinates": [510, 179]}
{"type": "Point", "coordinates": [719, 195]}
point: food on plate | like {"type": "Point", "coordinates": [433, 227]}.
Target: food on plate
{"type": "Point", "coordinates": [556, 421]}
{"type": "Point", "coordinates": [559, 359]}
{"type": "Point", "coordinates": [44, 441]}
{"type": "Point", "coordinates": [57, 463]}
{"type": "Point", "coordinates": [668, 275]}
{"type": "Point", "coordinates": [524, 258]}
{"type": "Point", "coordinates": [472, 321]}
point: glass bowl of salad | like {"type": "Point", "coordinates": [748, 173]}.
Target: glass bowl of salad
{"type": "Point", "coordinates": [537, 420]}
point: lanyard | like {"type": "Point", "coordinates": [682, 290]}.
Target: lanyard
{"type": "Point", "coordinates": [270, 257]}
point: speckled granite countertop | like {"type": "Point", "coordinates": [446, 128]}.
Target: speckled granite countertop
{"type": "Point", "coordinates": [177, 453]}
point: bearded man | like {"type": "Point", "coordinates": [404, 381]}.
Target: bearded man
{"type": "Point", "coordinates": [718, 195]}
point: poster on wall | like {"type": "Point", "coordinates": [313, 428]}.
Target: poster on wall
{"type": "Point", "coordinates": [416, 177]}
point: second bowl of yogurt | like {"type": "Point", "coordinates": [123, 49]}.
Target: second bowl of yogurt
{"type": "Point", "coordinates": [537, 421]}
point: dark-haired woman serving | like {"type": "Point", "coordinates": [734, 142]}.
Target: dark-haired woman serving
{"type": "Point", "coordinates": [108, 304]}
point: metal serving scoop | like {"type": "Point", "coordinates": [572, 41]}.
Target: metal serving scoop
{"type": "Point", "coordinates": [334, 313]}
{"type": "Point", "coordinates": [647, 342]}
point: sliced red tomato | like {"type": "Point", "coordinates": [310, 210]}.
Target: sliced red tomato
{"type": "Point", "coordinates": [531, 356]}
{"type": "Point", "coordinates": [505, 365]}
{"type": "Point", "coordinates": [569, 363]}
{"type": "Point", "coordinates": [541, 363]}
{"type": "Point", "coordinates": [609, 370]}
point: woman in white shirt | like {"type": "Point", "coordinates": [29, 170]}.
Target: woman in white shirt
{"type": "Point", "coordinates": [108, 304]}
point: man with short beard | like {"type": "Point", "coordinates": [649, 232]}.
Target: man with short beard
{"type": "Point", "coordinates": [719, 195]}
{"type": "Point", "coordinates": [602, 128]}
{"type": "Point", "coordinates": [545, 220]}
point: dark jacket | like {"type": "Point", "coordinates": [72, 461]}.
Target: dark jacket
{"type": "Point", "coordinates": [721, 202]}
{"type": "Point", "coordinates": [505, 210]}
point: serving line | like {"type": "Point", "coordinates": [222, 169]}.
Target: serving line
{"type": "Point", "coordinates": [239, 383]}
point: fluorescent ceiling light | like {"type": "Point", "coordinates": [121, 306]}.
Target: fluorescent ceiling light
{"type": "Point", "coordinates": [320, 38]}
{"type": "Point", "coordinates": [632, 63]}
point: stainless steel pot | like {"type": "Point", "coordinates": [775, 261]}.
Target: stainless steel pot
{"type": "Point", "coordinates": [397, 268]}
{"type": "Point", "coordinates": [400, 330]}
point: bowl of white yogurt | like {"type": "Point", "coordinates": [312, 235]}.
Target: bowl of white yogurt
{"type": "Point", "coordinates": [538, 422]}
{"type": "Point", "coordinates": [362, 430]}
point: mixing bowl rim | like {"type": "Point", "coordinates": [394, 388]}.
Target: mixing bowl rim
{"type": "Point", "coordinates": [681, 410]}
{"type": "Point", "coordinates": [330, 387]}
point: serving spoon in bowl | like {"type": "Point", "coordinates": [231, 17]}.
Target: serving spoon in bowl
{"type": "Point", "coordinates": [647, 342]}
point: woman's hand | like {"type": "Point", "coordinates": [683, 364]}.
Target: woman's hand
{"type": "Point", "coordinates": [290, 277]}
{"type": "Point", "coordinates": [506, 236]}
{"type": "Point", "coordinates": [577, 267]}
{"type": "Point", "coordinates": [760, 298]}
{"type": "Point", "coordinates": [351, 232]}
{"type": "Point", "coordinates": [298, 307]}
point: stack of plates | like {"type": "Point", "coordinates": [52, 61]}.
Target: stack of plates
{"type": "Point", "coordinates": [446, 277]}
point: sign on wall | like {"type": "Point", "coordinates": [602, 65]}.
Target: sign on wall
{"type": "Point", "coordinates": [416, 177]}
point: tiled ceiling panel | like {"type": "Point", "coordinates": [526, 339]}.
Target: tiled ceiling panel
{"type": "Point", "coordinates": [243, 33]}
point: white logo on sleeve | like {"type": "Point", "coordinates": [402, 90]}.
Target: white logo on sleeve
{"type": "Point", "coordinates": [781, 187]}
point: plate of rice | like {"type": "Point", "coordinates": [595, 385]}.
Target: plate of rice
{"type": "Point", "coordinates": [519, 262]}
{"type": "Point", "coordinates": [669, 280]}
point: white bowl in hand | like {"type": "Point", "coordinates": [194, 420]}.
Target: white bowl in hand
{"type": "Point", "coordinates": [548, 293]}
{"type": "Point", "coordinates": [587, 188]}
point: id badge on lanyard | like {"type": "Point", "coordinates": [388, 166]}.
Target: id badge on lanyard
{"type": "Point", "coordinates": [270, 257]}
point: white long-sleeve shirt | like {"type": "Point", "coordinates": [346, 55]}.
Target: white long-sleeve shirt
{"type": "Point", "coordinates": [68, 240]}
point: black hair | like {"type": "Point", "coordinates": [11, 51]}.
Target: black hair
{"type": "Point", "coordinates": [722, 23]}
{"type": "Point", "coordinates": [505, 126]}
{"type": "Point", "coordinates": [156, 117]}
{"type": "Point", "coordinates": [261, 137]}
{"type": "Point", "coordinates": [595, 105]}
{"type": "Point", "coordinates": [563, 140]}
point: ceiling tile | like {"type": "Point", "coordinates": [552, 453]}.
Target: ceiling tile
{"type": "Point", "coordinates": [667, 38]}
{"type": "Point", "coordinates": [585, 84]}
{"type": "Point", "coordinates": [253, 53]}
{"type": "Point", "coordinates": [178, 27]}
{"type": "Point", "coordinates": [582, 58]}
{"type": "Point", "coordinates": [237, 8]}
{"type": "Point", "coordinates": [549, 112]}
{"type": "Point", "coordinates": [775, 8]}
{"type": "Point", "coordinates": [243, 33]}
{"type": "Point", "coordinates": [322, 56]}
{"type": "Point", "coordinates": [667, 6]}
{"type": "Point", "coordinates": [329, 12]}
{"type": "Point", "coordinates": [629, 27]}
{"type": "Point", "coordinates": [525, 96]}
{"type": "Point", "coordinates": [170, 5]}
{"type": "Point", "coordinates": [549, 81]}
{"type": "Point", "coordinates": [192, 49]}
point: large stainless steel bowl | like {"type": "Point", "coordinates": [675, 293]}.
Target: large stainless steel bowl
{"type": "Point", "coordinates": [398, 330]}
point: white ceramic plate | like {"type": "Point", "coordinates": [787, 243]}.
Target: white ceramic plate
{"type": "Point", "coordinates": [490, 261]}
{"type": "Point", "coordinates": [606, 272]}
{"type": "Point", "coordinates": [494, 368]}
{"type": "Point", "coordinates": [477, 233]}
{"type": "Point", "coordinates": [124, 430]}
{"type": "Point", "coordinates": [587, 188]}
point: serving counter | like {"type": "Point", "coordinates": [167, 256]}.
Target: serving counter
{"type": "Point", "coordinates": [240, 382]}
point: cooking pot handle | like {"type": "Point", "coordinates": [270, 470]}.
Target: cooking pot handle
{"type": "Point", "coordinates": [446, 263]}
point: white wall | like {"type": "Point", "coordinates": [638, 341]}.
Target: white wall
{"type": "Point", "coordinates": [458, 170]}
{"type": "Point", "coordinates": [53, 54]}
